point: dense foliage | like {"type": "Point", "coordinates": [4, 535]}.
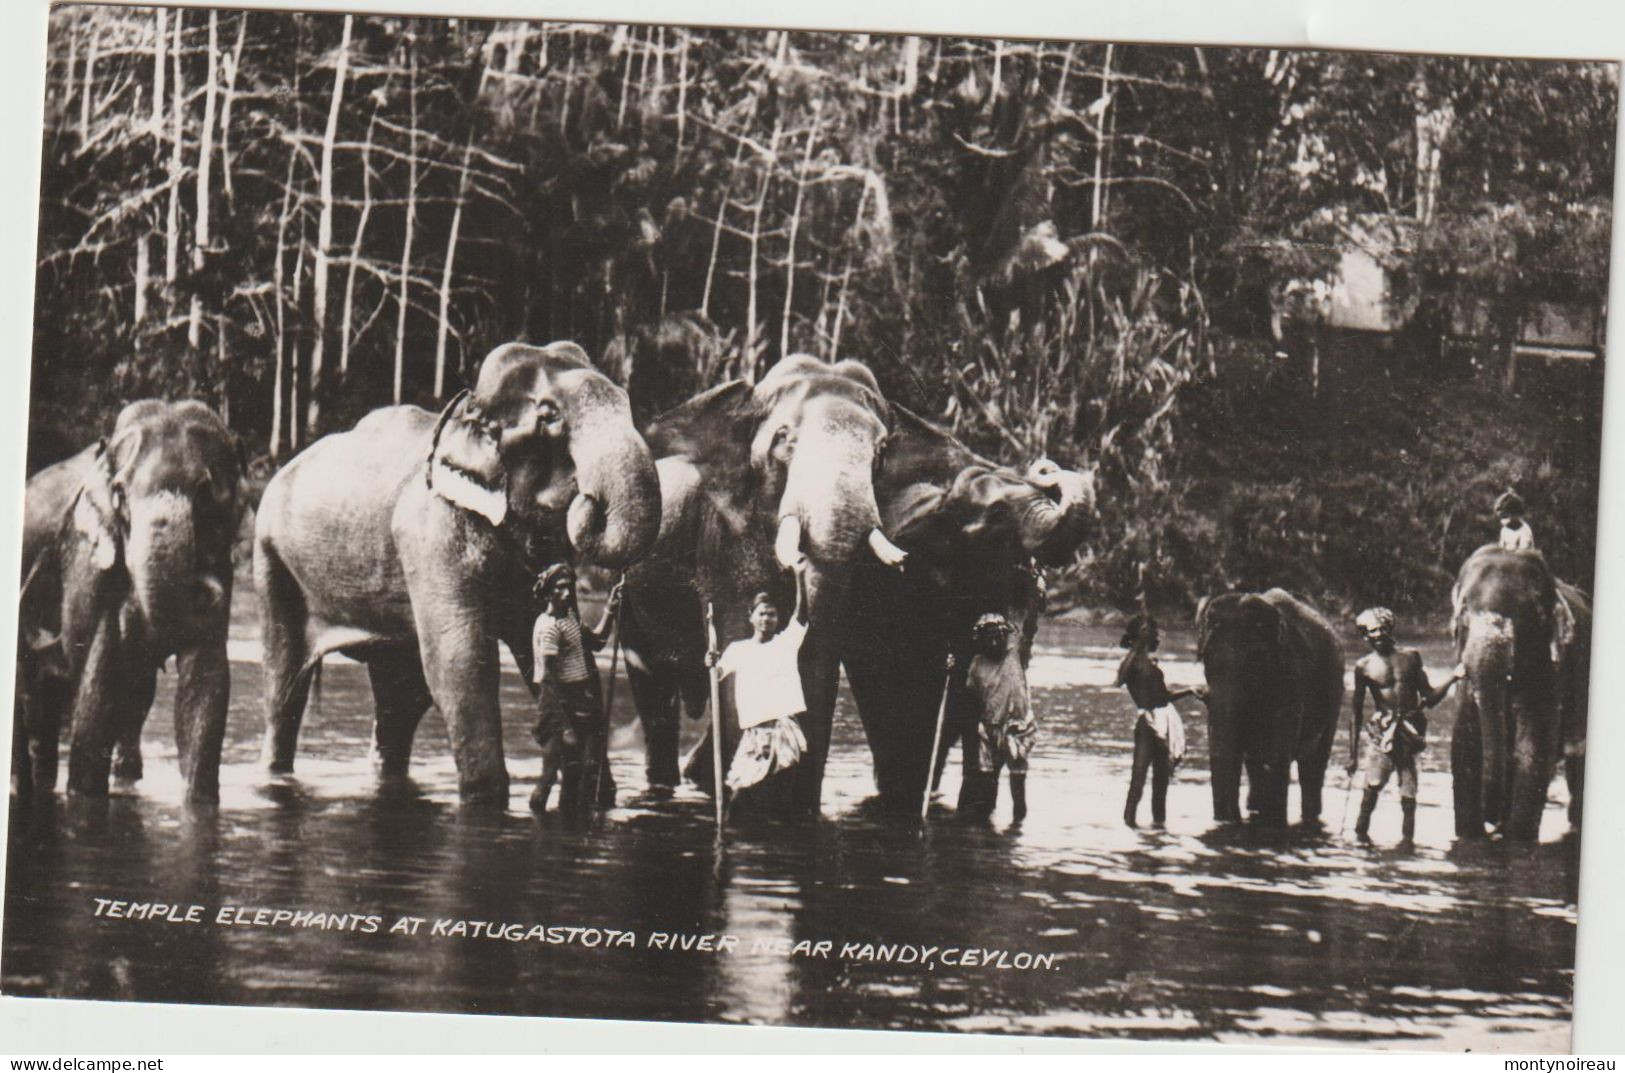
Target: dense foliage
{"type": "Point", "coordinates": [1058, 248]}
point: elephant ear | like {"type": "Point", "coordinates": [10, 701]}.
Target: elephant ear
{"type": "Point", "coordinates": [465, 462]}
{"type": "Point", "coordinates": [96, 510]}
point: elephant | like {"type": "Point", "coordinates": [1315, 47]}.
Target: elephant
{"type": "Point", "coordinates": [976, 534]}
{"type": "Point", "coordinates": [1275, 681]}
{"type": "Point", "coordinates": [411, 542]}
{"type": "Point", "coordinates": [1524, 638]}
{"type": "Point", "coordinates": [753, 479]}
{"type": "Point", "coordinates": [126, 562]}
{"type": "Point", "coordinates": [664, 363]}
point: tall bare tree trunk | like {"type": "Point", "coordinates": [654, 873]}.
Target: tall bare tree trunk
{"type": "Point", "coordinates": [446, 272]}
{"type": "Point", "coordinates": [294, 435]}
{"type": "Point", "coordinates": [205, 161]}
{"type": "Point", "coordinates": [278, 279]}
{"type": "Point", "coordinates": [356, 247]}
{"type": "Point", "coordinates": [411, 216]}
{"type": "Point", "coordinates": [87, 103]}
{"type": "Point", "coordinates": [160, 41]}
{"type": "Point", "coordinates": [751, 325]}
{"type": "Point", "coordinates": [324, 233]}
{"type": "Point", "coordinates": [716, 232]}
{"type": "Point", "coordinates": [234, 64]}
{"type": "Point", "coordinates": [1097, 204]}
{"type": "Point", "coordinates": [142, 273]}
{"type": "Point", "coordinates": [172, 237]}
{"type": "Point", "coordinates": [682, 85]}
{"type": "Point", "coordinates": [795, 226]}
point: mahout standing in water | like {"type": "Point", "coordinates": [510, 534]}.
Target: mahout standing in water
{"type": "Point", "coordinates": [571, 724]}
{"type": "Point", "coordinates": [1397, 730]}
{"type": "Point", "coordinates": [1159, 733]}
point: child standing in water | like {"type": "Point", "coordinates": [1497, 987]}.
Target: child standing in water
{"type": "Point", "coordinates": [1159, 733]}
{"type": "Point", "coordinates": [1397, 732]}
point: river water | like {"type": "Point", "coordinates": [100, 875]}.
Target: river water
{"type": "Point", "coordinates": [1070, 923]}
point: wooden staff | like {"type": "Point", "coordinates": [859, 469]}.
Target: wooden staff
{"type": "Point", "coordinates": [609, 711]}
{"type": "Point", "coordinates": [936, 743]}
{"type": "Point", "coordinates": [716, 714]}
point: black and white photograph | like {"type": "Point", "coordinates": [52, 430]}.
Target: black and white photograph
{"type": "Point", "coordinates": [660, 522]}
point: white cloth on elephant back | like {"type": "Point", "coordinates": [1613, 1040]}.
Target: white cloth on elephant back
{"type": "Point", "coordinates": [767, 676]}
{"type": "Point", "coordinates": [1165, 722]}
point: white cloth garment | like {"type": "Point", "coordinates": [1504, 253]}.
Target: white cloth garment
{"type": "Point", "coordinates": [1519, 539]}
{"type": "Point", "coordinates": [1166, 724]}
{"type": "Point", "coordinates": [767, 676]}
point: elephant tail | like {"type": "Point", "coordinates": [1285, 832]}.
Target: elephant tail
{"type": "Point", "coordinates": [309, 675]}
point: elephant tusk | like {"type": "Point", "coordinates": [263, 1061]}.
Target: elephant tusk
{"type": "Point", "coordinates": [787, 546]}
{"type": "Point", "coordinates": [887, 552]}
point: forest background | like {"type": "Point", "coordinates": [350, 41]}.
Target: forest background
{"type": "Point", "coordinates": [1113, 255]}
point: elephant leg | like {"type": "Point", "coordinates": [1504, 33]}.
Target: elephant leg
{"type": "Point", "coordinates": [1574, 767]}
{"type": "Point", "coordinates": [141, 686]}
{"type": "Point", "coordinates": [1466, 771]}
{"type": "Point", "coordinates": [400, 697]}
{"type": "Point", "coordinates": [1311, 783]}
{"type": "Point", "coordinates": [1257, 785]}
{"type": "Point", "coordinates": [202, 699]}
{"type": "Point", "coordinates": [23, 724]}
{"type": "Point", "coordinates": [90, 754]}
{"type": "Point", "coordinates": [1225, 780]}
{"type": "Point", "coordinates": [462, 671]}
{"type": "Point", "coordinates": [283, 620]}
{"type": "Point", "coordinates": [52, 705]}
{"type": "Point", "coordinates": [657, 701]}
{"type": "Point", "coordinates": [819, 679]}
{"type": "Point", "coordinates": [1531, 774]}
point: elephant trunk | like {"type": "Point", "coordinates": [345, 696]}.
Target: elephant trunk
{"type": "Point", "coordinates": [615, 515]}
{"type": "Point", "coordinates": [1054, 524]}
{"type": "Point", "coordinates": [830, 493]}
{"type": "Point", "coordinates": [161, 555]}
{"type": "Point", "coordinates": [1487, 652]}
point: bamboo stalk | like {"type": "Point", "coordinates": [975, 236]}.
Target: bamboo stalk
{"type": "Point", "coordinates": [234, 64]}
{"type": "Point", "coordinates": [172, 238]}
{"type": "Point", "coordinates": [716, 233]}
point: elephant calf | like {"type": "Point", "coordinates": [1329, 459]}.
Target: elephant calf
{"type": "Point", "coordinates": [1275, 680]}
{"type": "Point", "coordinates": [126, 562]}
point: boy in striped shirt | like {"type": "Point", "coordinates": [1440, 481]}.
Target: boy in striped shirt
{"type": "Point", "coordinates": [571, 726]}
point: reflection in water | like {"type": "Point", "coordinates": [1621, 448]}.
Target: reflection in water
{"type": "Point", "coordinates": [1189, 932]}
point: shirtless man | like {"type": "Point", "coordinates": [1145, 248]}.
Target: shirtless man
{"type": "Point", "coordinates": [1397, 731]}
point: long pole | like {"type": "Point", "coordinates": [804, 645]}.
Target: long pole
{"type": "Point", "coordinates": [609, 711]}
{"type": "Point", "coordinates": [936, 743]}
{"type": "Point", "coordinates": [716, 715]}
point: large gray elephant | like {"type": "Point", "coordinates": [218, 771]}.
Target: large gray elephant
{"type": "Point", "coordinates": [976, 534]}
{"type": "Point", "coordinates": [752, 478]}
{"type": "Point", "coordinates": [126, 562]}
{"type": "Point", "coordinates": [1525, 640]}
{"type": "Point", "coordinates": [1275, 682]}
{"type": "Point", "coordinates": [411, 543]}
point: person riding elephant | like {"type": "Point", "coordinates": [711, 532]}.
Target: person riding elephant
{"type": "Point", "coordinates": [1524, 639]}
{"type": "Point", "coordinates": [755, 480]}
{"type": "Point", "coordinates": [126, 562]}
{"type": "Point", "coordinates": [977, 535]}
{"type": "Point", "coordinates": [410, 543]}
{"type": "Point", "coordinates": [1275, 682]}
